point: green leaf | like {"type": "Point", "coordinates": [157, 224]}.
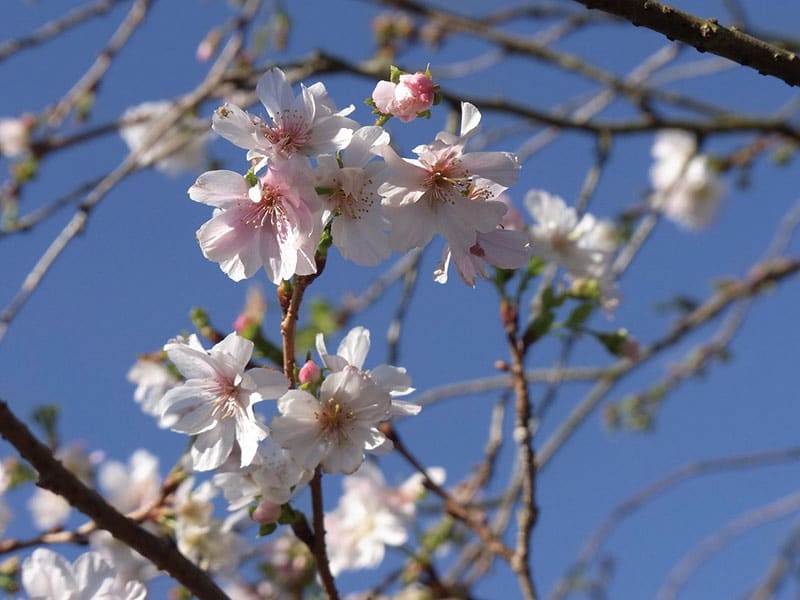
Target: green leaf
{"type": "Point", "coordinates": [267, 529]}
{"type": "Point", "coordinates": [46, 417]}
{"type": "Point", "coordinates": [539, 327]}
{"type": "Point", "coordinates": [394, 74]}
{"type": "Point", "coordinates": [579, 315]}
{"type": "Point", "coordinates": [613, 341]}
{"type": "Point", "coordinates": [250, 178]}
{"type": "Point", "coordinates": [288, 515]}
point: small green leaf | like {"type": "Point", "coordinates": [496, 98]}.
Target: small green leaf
{"type": "Point", "coordinates": [539, 327]}
{"type": "Point", "coordinates": [579, 315]}
{"type": "Point", "coordinates": [267, 529]}
{"type": "Point", "coordinates": [250, 178]}
{"type": "Point", "coordinates": [394, 74]}
{"type": "Point", "coordinates": [613, 341]}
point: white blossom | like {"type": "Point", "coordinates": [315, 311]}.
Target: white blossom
{"type": "Point", "coordinates": [181, 148]}
{"type": "Point", "coordinates": [371, 516]}
{"type": "Point", "coordinates": [215, 403]}
{"type": "Point", "coordinates": [686, 187]}
{"type": "Point", "coordinates": [351, 198]}
{"type": "Point", "coordinates": [335, 430]}
{"type": "Point", "coordinates": [352, 351]}
{"type": "Point", "coordinates": [582, 246]}
{"type": "Point", "coordinates": [48, 576]}
{"type": "Point", "coordinates": [133, 486]}
{"type": "Point", "coordinates": [152, 380]}
{"type": "Point", "coordinates": [15, 136]}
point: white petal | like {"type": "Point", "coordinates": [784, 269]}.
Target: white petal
{"type": "Point", "coordinates": [274, 91]}
{"type": "Point", "coordinates": [235, 125]}
{"type": "Point", "coordinates": [355, 346]}
{"type": "Point", "coordinates": [211, 448]}
{"type": "Point", "coordinates": [221, 189]}
{"type": "Point", "coordinates": [238, 348]}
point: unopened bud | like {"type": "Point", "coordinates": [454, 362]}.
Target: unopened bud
{"type": "Point", "coordinates": [266, 512]}
{"type": "Point", "coordinates": [309, 372]}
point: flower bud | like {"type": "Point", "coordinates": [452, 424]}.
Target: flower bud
{"type": "Point", "coordinates": [266, 512]}
{"type": "Point", "coordinates": [309, 372]}
{"type": "Point", "coordinates": [411, 95]}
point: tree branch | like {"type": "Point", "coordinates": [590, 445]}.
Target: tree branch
{"type": "Point", "coordinates": [706, 35]}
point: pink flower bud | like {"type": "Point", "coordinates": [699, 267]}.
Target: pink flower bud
{"type": "Point", "coordinates": [413, 94]}
{"type": "Point", "coordinates": [309, 372]}
{"type": "Point", "coordinates": [241, 323]}
{"type": "Point", "coordinates": [266, 512]}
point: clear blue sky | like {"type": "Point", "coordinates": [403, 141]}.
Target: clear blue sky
{"type": "Point", "coordinates": [127, 284]}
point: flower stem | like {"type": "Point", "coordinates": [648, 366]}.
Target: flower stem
{"type": "Point", "coordinates": [319, 550]}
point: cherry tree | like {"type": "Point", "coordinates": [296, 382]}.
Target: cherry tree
{"type": "Point", "coordinates": [618, 211]}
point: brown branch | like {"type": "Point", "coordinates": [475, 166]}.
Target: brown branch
{"type": "Point", "coordinates": [476, 522]}
{"type": "Point", "coordinates": [319, 550]}
{"type": "Point", "coordinates": [528, 513]}
{"type": "Point", "coordinates": [54, 477]}
{"type": "Point", "coordinates": [706, 35]}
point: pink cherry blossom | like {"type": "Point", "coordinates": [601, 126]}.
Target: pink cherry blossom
{"type": "Point", "coordinates": [412, 95]}
{"type": "Point", "coordinates": [446, 190]}
{"type": "Point", "coordinates": [274, 224]}
{"type": "Point", "coordinates": [308, 124]}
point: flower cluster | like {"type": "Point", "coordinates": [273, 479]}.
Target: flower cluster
{"type": "Point", "coordinates": [313, 166]}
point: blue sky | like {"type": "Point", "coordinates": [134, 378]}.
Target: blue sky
{"type": "Point", "coordinates": [127, 284]}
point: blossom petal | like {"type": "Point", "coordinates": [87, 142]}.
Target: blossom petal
{"type": "Point", "coordinates": [221, 189]}
{"type": "Point", "coordinates": [212, 447]}
{"type": "Point", "coordinates": [355, 346]}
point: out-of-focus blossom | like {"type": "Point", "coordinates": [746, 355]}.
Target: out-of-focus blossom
{"type": "Point", "coordinates": [180, 148]}
{"type": "Point", "coordinates": [582, 246]}
{"type": "Point", "coordinates": [215, 403]}
{"type": "Point", "coordinates": [15, 135]}
{"type": "Point", "coordinates": [411, 95]}
{"type": "Point", "coordinates": [253, 312]}
{"type": "Point", "coordinates": [133, 486]}
{"type": "Point", "coordinates": [686, 187]}
{"type": "Point", "coordinates": [208, 542]}
{"type": "Point", "coordinates": [273, 475]}
{"type": "Point", "coordinates": [274, 224]}
{"type": "Point", "coordinates": [371, 516]}
{"type": "Point", "coordinates": [50, 510]}
{"type": "Point", "coordinates": [350, 198]}
{"type": "Point", "coordinates": [152, 379]}
{"type": "Point", "coordinates": [48, 576]}
{"type": "Point", "coordinates": [128, 564]}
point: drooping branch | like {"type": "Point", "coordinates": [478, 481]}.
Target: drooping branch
{"type": "Point", "coordinates": [706, 35]}
{"type": "Point", "coordinates": [55, 477]}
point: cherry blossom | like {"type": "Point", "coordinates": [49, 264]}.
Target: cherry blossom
{"type": "Point", "coordinates": [582, 246]}
{"type": "Point", "coordinates": [215, 403]}
{"type": "Point", "coordinates": [687, 188]}
{"type": "Point", "coordinates": [308, 124]}
{"type": "Point", "coordinates": [134, 486]}
{"type": "Point", "coordinates": [181, 148]}
{"type": "Point", "coordinates": [411, 95]}
{"type": "Point", "coordinates": [505, 247]}
{"type": "Point", "coordinates": [351, 198]}
{"type": "Point", "coordinates": [152, 380]}
{"type": "Point", "coordinates": [48, 576]}
{"type": "Point", "coordinates": [273, 224]}
{"type": "Point", "coordinates": [352, 351]}
{"type": "Point", "coordinates": [273, 475]}
{"type": "Point", "coordinates": [336, 429]}
{"type": "Point", "coordinates": [371, 516]}
{"type": "Point", "coordinates": [446, 190]}
{"type": "Point", "coordinates": [15, 135]}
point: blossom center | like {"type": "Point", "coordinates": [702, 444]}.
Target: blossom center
{"type": "Point", "coordinates": [350, 198]}
{"type": "Point", "coordinates": [289, 133]}
{"type": "Point", "coordinates": [334, 418]}
{"type": "Point", "coordinates": [445, 177]}
{"type": "Point", "coordinates": [268, 210]}
{"type": "Point", "coordinates": [227, 403]}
